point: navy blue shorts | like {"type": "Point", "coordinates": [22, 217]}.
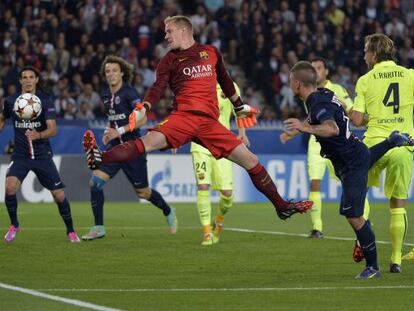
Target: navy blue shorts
{"type": "Point", "coordinates": [352, 171]}
{"type": "Point", "coordinates": [135, 171]}
{"type": "Point", "coordinates": [44, 169]}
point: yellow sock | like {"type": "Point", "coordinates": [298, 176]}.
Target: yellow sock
{"type": "Point", "coordinates": [316, 211]}
{"type": "Point", "coordinates": [398, 229]}
{"type": "Point", "coordinates": [367, 209]}
{"type": "Point", "coordinates": [204, 207]}
{"type": "Point", "coordinates": [206, 229]}
{"type": "Point", "coordinates": [224, 204]}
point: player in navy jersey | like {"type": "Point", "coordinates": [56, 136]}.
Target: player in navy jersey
{"type": "Point", "coordinates": [351, 159]}
{"type": "Point", "coordinates": [33, 152]}
{"type": "Point", "coordinates": [119, 99]}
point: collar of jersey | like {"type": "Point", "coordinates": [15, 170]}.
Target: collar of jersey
{"type": "Point", "coordinates": [385, 63]}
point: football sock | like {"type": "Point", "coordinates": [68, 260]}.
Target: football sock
{"type": "Point", "coordinates": [204, 207]}
{"type": "Point", "coordinates": [316, 211]}
{"type": "Point", "coordinates": [11, 204]}
{"type": "Point", "coordinates": [159, 202]}
{"type": "Point", "coordinates": [224, 204]}
{"type": "Point", "coordinates": [262, 181]}
{"type": "Point", "coordinates": [378, 150]}
{"type": "Point", "coordinates": [367, 209]}
{"type": "Point", "coordinates": [124, 152]}
{"type": "Point", "coordinates": [398, 230]}
{"type": "Point", "coordinates": [64, 211]}
{"type": "Point", "coordinates": [366, 238]}
{"type": "Point", "coordinates": [97, 202]}
{"type": "Point", "coordinates": [97, 199]}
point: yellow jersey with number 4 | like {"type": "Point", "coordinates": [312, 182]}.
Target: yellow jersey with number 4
{"type": "Point", "coordinates": [386, 94]}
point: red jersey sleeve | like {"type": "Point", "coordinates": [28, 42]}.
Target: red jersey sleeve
{"type": "Point", "coordinates": [157, 90]}
{"type": "Point", "coordinates": [223, 77]}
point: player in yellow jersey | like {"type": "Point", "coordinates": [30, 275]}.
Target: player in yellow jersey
{"type": "Point", "coordinates": [218, 173]}
{"type": "Point", "coordinates": [384, 102]}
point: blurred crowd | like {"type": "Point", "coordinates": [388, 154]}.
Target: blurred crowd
{"type": "Point", "coordinates": [67, 41]}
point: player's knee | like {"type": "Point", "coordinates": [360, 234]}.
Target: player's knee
{"type": "Point", "coordinates": [58, 195]}
{"type": "Point", "coordinates": [144, 193]}
{"type": "Point", "coordinates": [11, 188]}
{"type": "Point", "coordinates": [203, 187]}
{"type": "Point", "coordinates": [315, 185]}
{"type": "Point", "coordinates": [227, 193]}
{"type": "Point", "coordinates": [96, 183]}
{"type": "Point", "coordinates": [356, 222]}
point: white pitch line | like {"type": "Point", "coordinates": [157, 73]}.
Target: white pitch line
{"type": "Point", "coordinates": [243, 230]}
{"type": "Point", "coordinates": [245, 289]}
{"type": "Point", "coordinates": [303, 235]}
{"type": "Point", "coordinates": [74, 302]}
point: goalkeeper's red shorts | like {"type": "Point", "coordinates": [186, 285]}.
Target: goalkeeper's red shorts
{"type": "Point", "coordinates": [181, 127]}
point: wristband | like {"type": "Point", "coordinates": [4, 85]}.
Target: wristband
{"type": "Point", "coordinates": [120, 130]}
{"type": "Point", "coordinates": [238, 102]}
{"type": "Point", "coordinates": [147, 106]}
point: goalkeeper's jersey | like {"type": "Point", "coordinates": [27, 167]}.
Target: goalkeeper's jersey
{"type": "Point", "coordinates": [386, 94]}
{"type": "Point", "coordinates": [226, 111]}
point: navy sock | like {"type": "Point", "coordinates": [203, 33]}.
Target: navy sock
{"type": "Point", "coordinates": [366, 238]}
{"type": "Point", "coordinates": [11, 204]}
{"type": "Point", "coordinates": [97, 202]}
{"type": "Point", "coordinates": [378, 150]}
{"type": "Point", "coordinates": [64, 211]}
{"type": "Point", "coordinates": [159, 202]}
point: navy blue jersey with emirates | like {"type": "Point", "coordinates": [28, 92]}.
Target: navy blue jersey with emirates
{"type": "Point", "coordinates": [118, 107]}
{"type": "Point", "coordinates": [36, 149]}
{"type": "Point", "coordinates": [323, 105]}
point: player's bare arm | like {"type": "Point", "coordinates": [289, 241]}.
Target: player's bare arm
{"type": "Point", "coordinates": [2, 122]}
{"type": "Point", "coordinates": [328, 128]}
{"type": "Point", "coordinates": [358, 118]}
{"type": "Point", "coordinates": [288, 135]}
{"type": "Point", "coordinates": [47, 133]}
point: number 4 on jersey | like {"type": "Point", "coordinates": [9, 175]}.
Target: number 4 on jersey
{"type": "Point", "coordinates": [394, 91]}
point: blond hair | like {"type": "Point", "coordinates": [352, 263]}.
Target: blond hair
{"type": "Point", "coordinates": [180, 21]}
{"type": "Point", "coordinates": [381, 45]}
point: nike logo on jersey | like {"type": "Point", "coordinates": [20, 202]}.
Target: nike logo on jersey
{"type": "Point", "coordinates": [347, 208]}
{"type": "Point", "coordinates": [182, 59]}
{"type": "Point", "coordinates": [58, 183]}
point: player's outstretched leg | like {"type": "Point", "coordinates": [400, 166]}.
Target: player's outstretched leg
{"type": "Point", "coordinates": [92, 153]}
{"type": "Point", "coordinates": [264, 183]}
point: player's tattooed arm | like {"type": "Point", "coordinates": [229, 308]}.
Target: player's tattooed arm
{"type": "Point", "coordinates": [327, 128]}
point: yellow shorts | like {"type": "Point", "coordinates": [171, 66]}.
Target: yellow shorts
{"type": "Point", "coordinates": [398, 163]}
{"type": "Point", "coordinates": [210, 171]}
{"type": "Point", "coordinates": [316, 163]}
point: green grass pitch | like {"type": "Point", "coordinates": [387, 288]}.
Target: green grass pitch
{"type": "Point", "coordinates": [139, 266]}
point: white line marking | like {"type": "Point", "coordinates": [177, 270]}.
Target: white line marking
{"type": "Point", "coordinates": [248, 289]}
{"type": "Point", "coordinates": [74, 302]}
{"type": "Point", "coordinates": [303, 235]}
{"type": "Point", "coordinates": [197, 228]}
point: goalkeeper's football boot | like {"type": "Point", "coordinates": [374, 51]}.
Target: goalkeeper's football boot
{"type": "Point", "coordinates": [73, 237]}
{"type": "Point", "coordinates": [217, 228]}
{"type": "Point", "coordinates": [96, 232]}
{"type": "Point", "coordinates": [293, 208]}
{"type": "Point", "coordinates": [369, 273]}
{"type": "Point", "coordinates": [400, 139]}
{"type": "Point", "coordinates": [11, 234]}
{"type": "Point", "coordinates": [409, 255]}
{"type": "Point", "coordinates": [207, 239]}
{"type": "Point", "coordinates": [358, 254]}
{"type": "Point", "coordinates": [92, 152]}
{"type": "Point", "coordinates": [395, 268]}
{"type": "Point", "coordinates": [172, 221]}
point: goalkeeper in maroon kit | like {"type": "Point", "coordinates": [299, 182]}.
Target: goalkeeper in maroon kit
{"type": "Point", "coordinates": [191, 70]}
